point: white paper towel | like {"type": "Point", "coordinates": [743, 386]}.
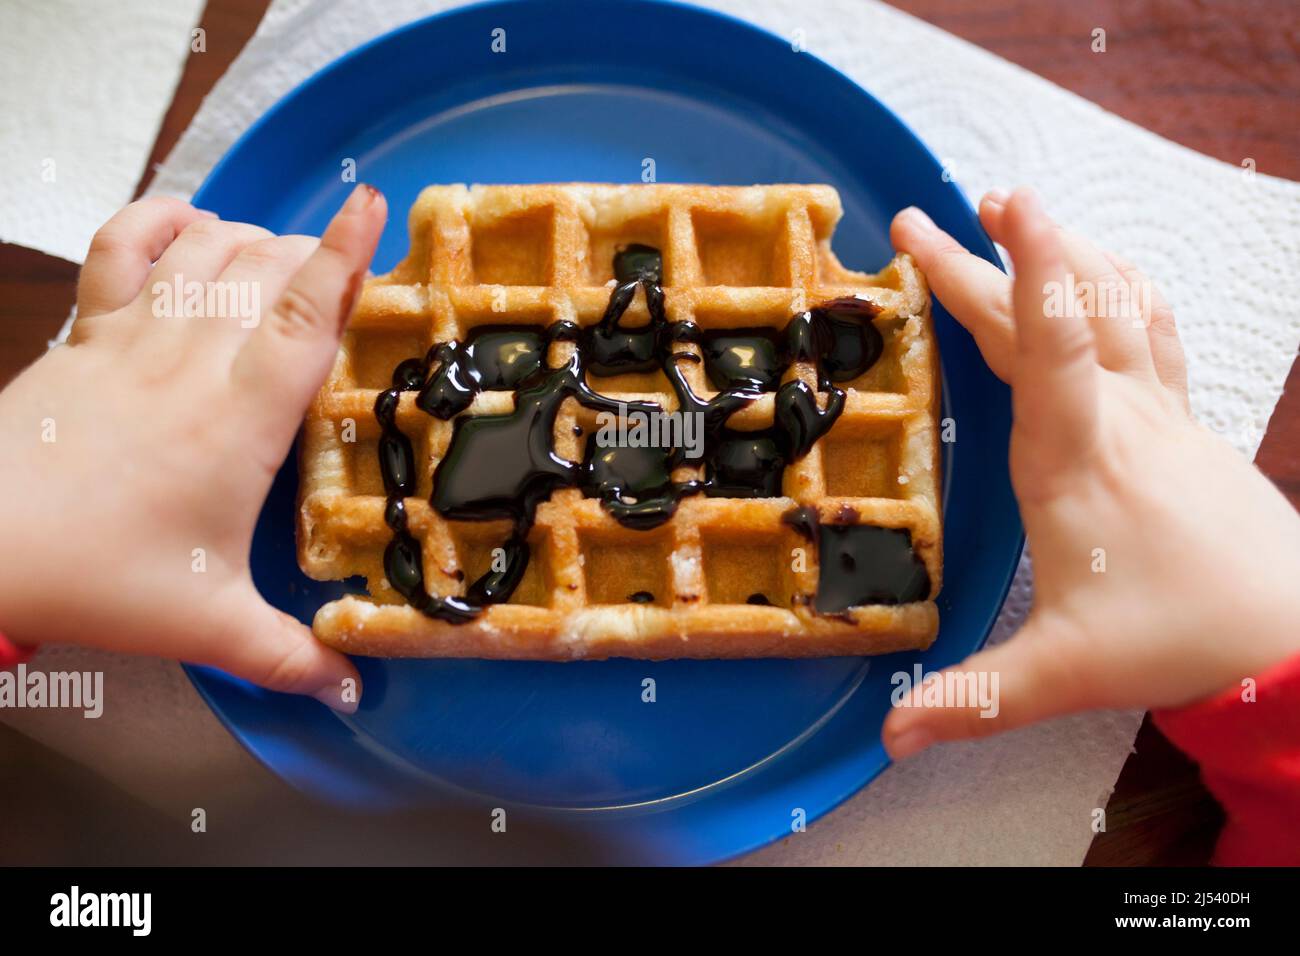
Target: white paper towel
{"type": "Point", "coordinates": [1222, 244]}
{"type": "Point", "coordinates": [83, 90]}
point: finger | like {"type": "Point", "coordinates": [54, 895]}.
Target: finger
{"type": "Point", "coordinates": [1029, 678]}
{"type": "Point", "coordinates": [975, 292]}
{"type": "Point", "coordinates": [992, 207]}
{"type": "Point", "coordinates": [1113, 301]}
{"type": "Point", "coordinates": [1162, 331]}
{"type": "Point", "coordinates": [1054, 400]}
{"type": "Point", "coordinates": [124, 249]}
{"type": "Point", "coordinates": [284, 362]}
{"type": "Point", "coordinates": [275, 651]}
{"type": "Point", "coordinates": [199, 254]}
{"type": "Point", "coordinates": [255, 279]}
{"type": "Point", "coordinates": [1115, 311]}
{"type": "Point", "coordinates": [181, 301]}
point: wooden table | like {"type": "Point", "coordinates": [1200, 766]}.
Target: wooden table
{"type": "Point", "coordinates": [1221, 79]}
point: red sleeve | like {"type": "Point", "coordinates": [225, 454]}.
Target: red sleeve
{"type": "Point", "coordinates": [1249, 752]}
{"type": "Point", "coordinates": [11, 654]}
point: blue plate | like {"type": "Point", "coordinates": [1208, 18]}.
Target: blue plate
{"type": "Point", "coordinates": [730, 752]}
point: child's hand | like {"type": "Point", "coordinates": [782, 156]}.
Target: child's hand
{"type": "Point", "coordinates": [138, 456]}
{"type": "Point", "coordinates": [1201, 553]}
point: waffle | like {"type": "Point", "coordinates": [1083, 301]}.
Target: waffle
{"type": "Point", "coordinates": [733, 257]}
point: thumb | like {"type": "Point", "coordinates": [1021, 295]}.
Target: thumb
{"type": "Point", "coordinates": [275, 651]}
{"type": "Point", "coordinates": [1031, 677]}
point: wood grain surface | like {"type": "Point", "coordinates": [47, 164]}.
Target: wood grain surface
{"type": "Point", "coordinates": [1222, 78]}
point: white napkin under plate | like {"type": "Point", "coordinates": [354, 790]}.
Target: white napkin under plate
{"type": "Point", "coordinates": [83, 90]}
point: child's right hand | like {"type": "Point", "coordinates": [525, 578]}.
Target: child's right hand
{"type": "Point", "coordinates": [139, 455]}
{"type": "Point", "coordinates": [1201, 553]}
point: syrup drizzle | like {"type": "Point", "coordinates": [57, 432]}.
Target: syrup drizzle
{"type": "Point", "coordinates": [504, 466]}
{"type": "Point", "coordinates": [866, 564]}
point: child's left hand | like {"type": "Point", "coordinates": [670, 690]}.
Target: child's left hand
{"type": "Point", "coordinates": [159, 437]}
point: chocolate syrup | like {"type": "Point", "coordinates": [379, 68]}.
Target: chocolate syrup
{"type": "Point", "coordinates": [865, 564]}
{"type": "Point", "coordinates": [803, 519]}
{"type": "Point", "coordinates": [614, 350]}
{"type": "Point", "coordinates": [743, 358]}
{"type": "Point", "coordinates": [403, 560]}
{"type": "Point", "coordinates": [494, 357]}
{"type": "Point", "coordinates": [501, 467]}
{"type": "Point", "coordinates": [855, 343]}
{"type": "Point", "coordinates": [745, 464]}
{"type": "Point", "coordinates": [635, 485]}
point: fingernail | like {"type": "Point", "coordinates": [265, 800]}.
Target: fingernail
{"type": "Point", "coordinates": [341, 695]}
{"type": "Point", "coordinates": [909, 742]}
{"type": "Point", "coordinates": [361, 198]}
{"type": "Point", "coordinates": [917, 218]}
{"type": "Point", "coordinates": [207, 212]}
{"type": "Point", "coordinates": [997, 196]}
